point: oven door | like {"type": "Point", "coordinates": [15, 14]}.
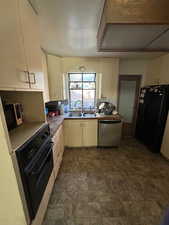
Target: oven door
{"type": "Point", "coordinates": [37, 174]}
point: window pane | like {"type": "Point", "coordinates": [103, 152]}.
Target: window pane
{"type": "Point", "coordinates": [75, 77]}
{"type": "Point", "coordinates": [89, 77]}
{"type": "Point", "coordinates": [89, 85]}
{"type": "Point", "coordinates": [75, 85]}
{"type": "Point", "coordinates": [76, 99]}
{"type": "Point", "coordinates": [88, 99]}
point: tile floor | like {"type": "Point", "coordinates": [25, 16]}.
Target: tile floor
{"type": "Point", "coordinates": [121, 186]}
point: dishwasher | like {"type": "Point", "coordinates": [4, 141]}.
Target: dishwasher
{"type": "Point", "coordinates": [109, 133]}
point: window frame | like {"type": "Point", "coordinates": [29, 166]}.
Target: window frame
{"type": "Point", "coordinates": [82, 81]}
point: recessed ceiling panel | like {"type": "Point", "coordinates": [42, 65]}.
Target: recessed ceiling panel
{"type": "Point", "coordinates": [130, 37]}
{"type": "Point", "coordinates": [69, 27]}
{"type": "Point", "coordinates": [161, 43]}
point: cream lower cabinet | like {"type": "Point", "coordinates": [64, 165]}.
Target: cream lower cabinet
{"type": "Point", "coordinates": [58, 150]}
{"type": "Point", "coordinates": [89, 133]}
{"type": "Point", "coordinates": [80, 133]}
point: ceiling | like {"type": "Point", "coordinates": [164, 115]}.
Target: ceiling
{"type": "Point", "coordinates": [69, 28]}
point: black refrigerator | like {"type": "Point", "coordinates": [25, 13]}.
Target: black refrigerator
{"type": "Point", "coordinates": [152, 115]}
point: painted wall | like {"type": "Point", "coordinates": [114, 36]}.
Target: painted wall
{"type": "Point", "coordinates": [108, 67]}
{"type": "Point", "coordinates": [11, 210]}
{"type": "Point", "coordinates": [158, 71]}
{"type": "Point", "coordinates": [134, 67]}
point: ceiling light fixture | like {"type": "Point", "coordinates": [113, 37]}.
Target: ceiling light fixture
{"type": "Point", "coordinates": [82, 68]}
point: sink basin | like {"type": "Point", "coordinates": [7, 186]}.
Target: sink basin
{"type": "Point", "coordinates": [81, 115]}
{"type": "Point", "coordinates": [89, 115]}
{"type": "Point", "coordinates": [75, 114]}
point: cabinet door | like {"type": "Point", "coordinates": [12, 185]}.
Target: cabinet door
{"type": "Point", "coordinates": [45, 72]}
{"type": "Point", "coordinates": [55, 77]}
{"type": "Point", "coordinates": [66, 132]}
{"type": "Point", "coordinates": [73, 133]}
{"type": "Point", "coordinates": [90, 133]}
{"type": "Point", "coordinates": [31, 36]}
{"type": "Point", "coordinates": [58, 150]}
{"type": "Point", "coordinates": [12, 56]}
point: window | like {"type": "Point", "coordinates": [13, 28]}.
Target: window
{"type": "Point", "coordinates": [82, 91]}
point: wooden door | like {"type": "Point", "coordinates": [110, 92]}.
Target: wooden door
{"type": "Point", "coordinates": [12, 57]}
{"type": "Point", "coordinates": [129, 86]}
{"type": "Point", "coordinates": [31, 36]}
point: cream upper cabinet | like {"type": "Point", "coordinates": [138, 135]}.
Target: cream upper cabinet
{"type": "Point", "coordinates": [20, 55]}
{"type": "Point", "coordinates": [80, 133]}
{"type": "Point", "coordinates": [45, 72]}
{"type": "Point", "coordinates": [13, 65]}
{"type": "Point", "coordinates": [31, 36]}
{"type": "Point", "coordinates": [55, 77]}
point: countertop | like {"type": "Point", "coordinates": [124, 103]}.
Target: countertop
{"type": "Point", "coordinates": [23, 133]}
{"type": "Point", "coordinates": [56, 121]}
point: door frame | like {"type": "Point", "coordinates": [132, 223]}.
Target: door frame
{"type": "Point", "coordinates": [138, 79]}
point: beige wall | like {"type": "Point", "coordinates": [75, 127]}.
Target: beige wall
{"type": "Point", "coordinates": [11, 210]}
{"type": "Point", "coordinates": [134, 67]}
{"type": "Point", "coordinates": [158, 71]}
{"type": "Point", "coordinates": [154, 71]}
{"type": "Point", "coordinates": [108, 67]}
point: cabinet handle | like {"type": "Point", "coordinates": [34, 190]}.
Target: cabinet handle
{"type": "Point", "coordinates": [34, 78]}
{"type": "Point", "coordinates": [27, 76]}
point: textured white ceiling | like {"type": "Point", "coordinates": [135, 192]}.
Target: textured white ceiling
{"type": "Point", "coordinates": [69, 28]}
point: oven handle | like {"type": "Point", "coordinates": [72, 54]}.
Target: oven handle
{"type": "Point", "coordinates": [43, 163]}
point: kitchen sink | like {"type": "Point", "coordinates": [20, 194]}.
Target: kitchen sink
{"type": "Point", "coordinates": [81, 115]}
{"type": "Point", "coordinates": [75, 114]}
{"type": "Point", "coordinates": [89, 115]}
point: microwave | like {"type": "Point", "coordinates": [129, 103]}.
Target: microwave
{"type": "Point", "coordinates": [13, 115]}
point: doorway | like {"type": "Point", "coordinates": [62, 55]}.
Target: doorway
{"type": "Point", "coordinates": [129, 88]}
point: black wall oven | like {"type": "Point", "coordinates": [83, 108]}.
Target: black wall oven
{"type": "Point", "coordinates": [35, 160]}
